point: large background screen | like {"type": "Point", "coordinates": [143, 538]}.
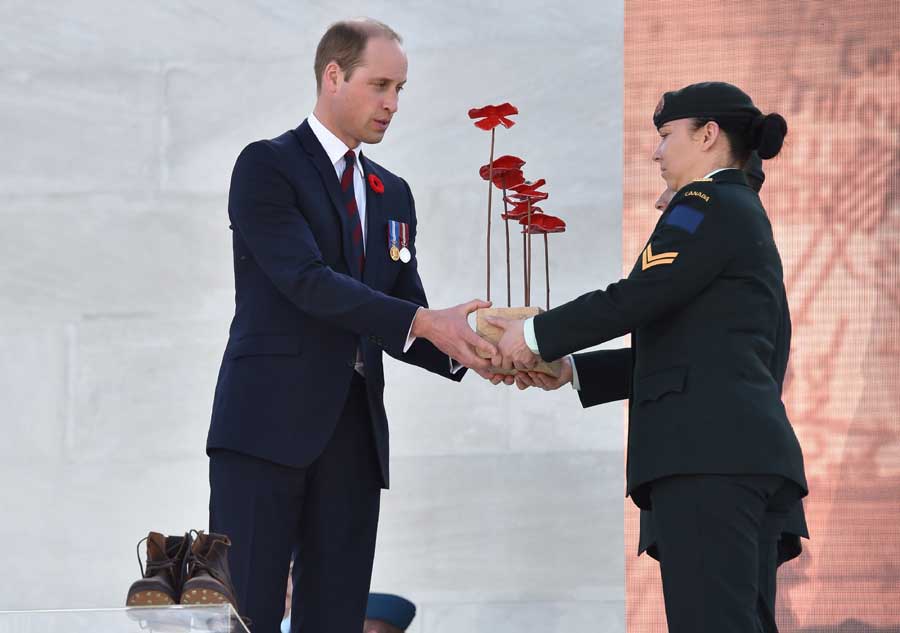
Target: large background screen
{"type": "Point", "coordinates": [833, 71]}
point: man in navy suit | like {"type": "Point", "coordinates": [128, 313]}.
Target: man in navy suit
{"type": "Point", "coordinates": [325, 281]}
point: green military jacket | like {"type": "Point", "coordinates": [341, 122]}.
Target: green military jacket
{"type": "Point", "coordinates": [706, 307]}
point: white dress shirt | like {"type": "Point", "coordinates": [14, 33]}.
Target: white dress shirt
{"type": "Point", "coordinates": [335, 149]}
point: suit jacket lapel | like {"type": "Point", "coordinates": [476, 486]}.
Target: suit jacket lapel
{"type": "Point", "coordinates": [332, 186]}
{"type": "Point", "coordinates": [376, 236]}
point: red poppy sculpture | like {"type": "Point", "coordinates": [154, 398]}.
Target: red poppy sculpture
{"type": "Point", "coordinates": [487, 118]}
{"type": "Point", "coordinates": [520, 198]}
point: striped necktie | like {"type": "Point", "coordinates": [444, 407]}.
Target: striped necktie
{"type": "Point", "coordinates": [357, 254]}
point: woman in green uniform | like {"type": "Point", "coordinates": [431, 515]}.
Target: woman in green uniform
{"type": "Point", "coordinates": [710, 449]}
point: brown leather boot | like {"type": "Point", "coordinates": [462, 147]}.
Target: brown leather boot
{"type": "Point", "coordinates": [208, 579]}
{"type": "Point", "coordinates": [160, 582]}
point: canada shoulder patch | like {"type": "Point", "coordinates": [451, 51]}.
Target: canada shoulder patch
{"type": "Point", "coordinates": [697, 194]}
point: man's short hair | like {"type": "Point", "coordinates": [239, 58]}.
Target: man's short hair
{"type": "Point", "coordinates": [344, 43]}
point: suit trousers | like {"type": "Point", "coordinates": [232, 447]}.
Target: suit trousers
{"type": "Point", "coordinates": [325, 515]}
{"type": "Point", "coordinates": [718, 545]}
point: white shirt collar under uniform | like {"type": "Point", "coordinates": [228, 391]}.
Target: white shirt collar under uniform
{"type": "Point", "coordinates": [714, 171]}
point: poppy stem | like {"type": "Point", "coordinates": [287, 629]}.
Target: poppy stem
{"type": "Point", "coordinates": [528, 257]}
{"type": "Point", "coordinates": [506, 222]}
{"type": "Point", "coordinates": [490, 191]}
{"type": "Point", "coordinates": [525, 266]}
{"type": "Point", "coordinates": [547, 267]}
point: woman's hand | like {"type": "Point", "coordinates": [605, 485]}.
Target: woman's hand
{"type": "Point", "coordinates": [526, 379]}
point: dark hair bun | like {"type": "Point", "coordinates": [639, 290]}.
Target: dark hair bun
{"type": "Point", "coordinates": [767, 134]}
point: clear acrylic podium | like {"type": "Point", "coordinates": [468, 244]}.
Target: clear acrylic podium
{"type": "Point", "coordinates": [218, 618]}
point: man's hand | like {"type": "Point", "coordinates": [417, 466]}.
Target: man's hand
{"type": "Point", "coordinates": [513, 352]}
{"type": "Point", "coordinates": [524, 379]}
{"type": "Point", "coordinates": [449, 331]}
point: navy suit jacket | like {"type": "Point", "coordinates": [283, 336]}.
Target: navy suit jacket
{"type": "Point", "coordinates": [300, 314]}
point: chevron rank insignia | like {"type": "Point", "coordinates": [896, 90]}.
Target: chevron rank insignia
{"type": "Point", "coordinates": [649, 260]}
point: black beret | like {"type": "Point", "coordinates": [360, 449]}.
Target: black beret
{"type": "Point", "coordinates": [394, 610]}
{"type": "Point", "coordinates": [714, 100]}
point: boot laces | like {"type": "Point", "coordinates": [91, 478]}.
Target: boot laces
{"type": "Point", "coordinates": [152, 565]}
{"type": "Point", "coordinates": [196, 562]}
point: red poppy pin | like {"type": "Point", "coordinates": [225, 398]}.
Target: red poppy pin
{"type": "Point", "coordinates": [376, 184]}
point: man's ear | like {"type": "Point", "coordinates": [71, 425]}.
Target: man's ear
{"type": "Point", "coordinates": [332, 76]}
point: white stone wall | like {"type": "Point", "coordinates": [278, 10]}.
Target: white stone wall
{"type": "Point", "coordinates": [119, 125]}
